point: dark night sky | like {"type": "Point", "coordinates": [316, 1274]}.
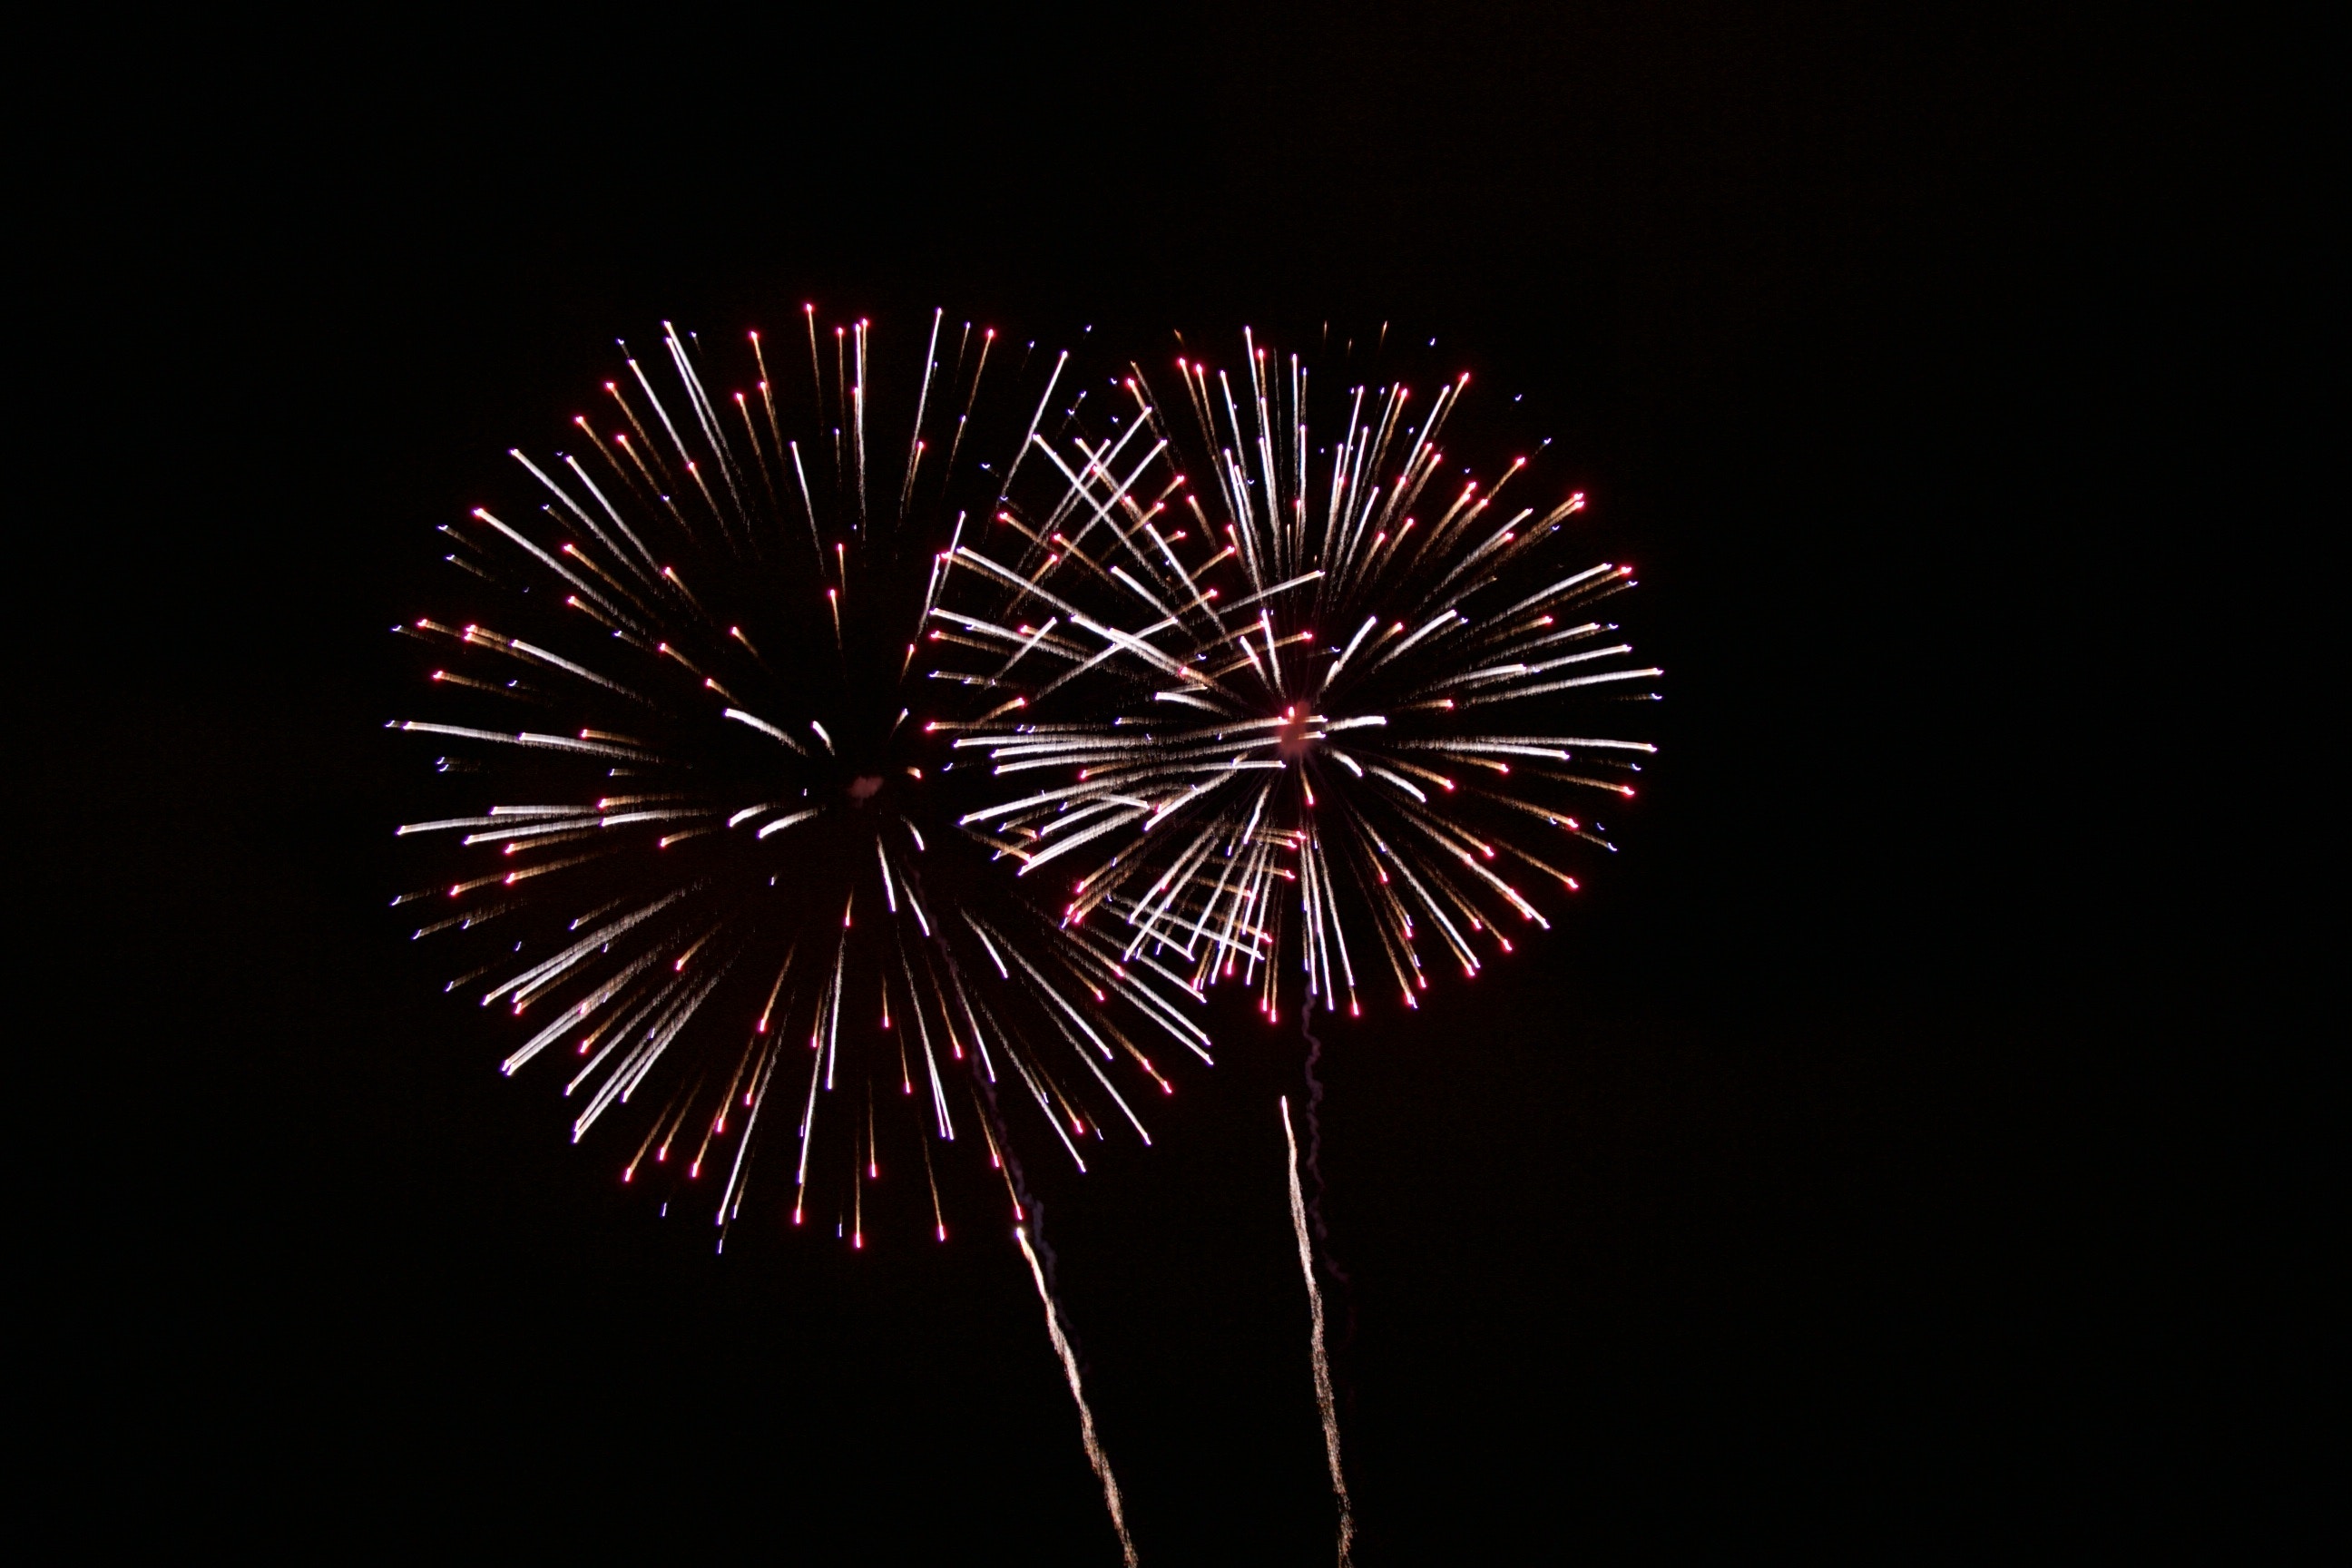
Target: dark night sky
{"type": "Point", "coordinates": [1778, 1198]}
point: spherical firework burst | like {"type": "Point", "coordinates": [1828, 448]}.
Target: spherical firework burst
{"type": "Point", "coordinates": [1335, 711]}
{"type": "Point", "coordinates": [698, 834]}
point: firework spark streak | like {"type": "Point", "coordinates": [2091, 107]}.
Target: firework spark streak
{"type": "Point", "coordinates": [698, 824]}
{"type": "Point", "coordinates": [1324, 1401]}
{"type": "Point", "coordinates": [1095, 1454]}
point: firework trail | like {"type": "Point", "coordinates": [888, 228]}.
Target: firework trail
{"type": "Point", "coordinates": [1095, 1454]}
{"type": "Point", "coordinates": [1309, 1171]}
{"type": "Point", "coordinates": [1324, 1401]}
{"type": "Point", "coordinates": [700, 830]}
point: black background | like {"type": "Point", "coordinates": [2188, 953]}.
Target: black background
{"type": "Point", "coordinates": [1786, 1194]}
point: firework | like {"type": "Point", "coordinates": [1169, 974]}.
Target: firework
{"type": "Point", "coordinates": [1291, 706]}
{"type": "Point", "coordinates": [699, 841]}
{"type": "Point", "coordinates": [1335, 694]}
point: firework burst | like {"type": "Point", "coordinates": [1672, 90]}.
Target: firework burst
{"type": "Point", "coordinates": [699, 841]}
{"type": "Point", "coordinates": [1336, 696]}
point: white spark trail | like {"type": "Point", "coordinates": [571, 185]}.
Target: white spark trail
{"type": "Point", "coordinates": [1322, 1362]}
{"type": "Point", "coordinates": [1095, 1454]}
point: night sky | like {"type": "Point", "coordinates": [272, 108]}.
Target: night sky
{"type": "Point", "coordinates": [1752, 1209]}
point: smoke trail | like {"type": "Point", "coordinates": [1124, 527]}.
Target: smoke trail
{"type": "Point", "coordinates": [1311, 1171]}
{"type": "Point", "coordinates": [1313, 1162]}
{"type": "Point", "coordinates": [1322, 1362]}
{"type": "Point", "coordinates": [1095, 1454]}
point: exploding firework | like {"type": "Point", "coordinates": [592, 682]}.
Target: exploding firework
{"type": "Point", "coordinates": [1306, 714]}
{"type": "Point", "coordinates": [701, 829]}
{"type": "Point", "coordinates": [1329, 688]}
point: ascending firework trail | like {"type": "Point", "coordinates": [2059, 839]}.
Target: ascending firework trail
{"type": "Point", "coordinates": [1324, 1401]}
{"type": "Point", "coordinates": [1078, 1392]}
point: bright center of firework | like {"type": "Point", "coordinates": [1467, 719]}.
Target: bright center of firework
{"type": "Point", "coordinates": [864, 788]}
{"type": "Point", "coordinates": [1293, 736]}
